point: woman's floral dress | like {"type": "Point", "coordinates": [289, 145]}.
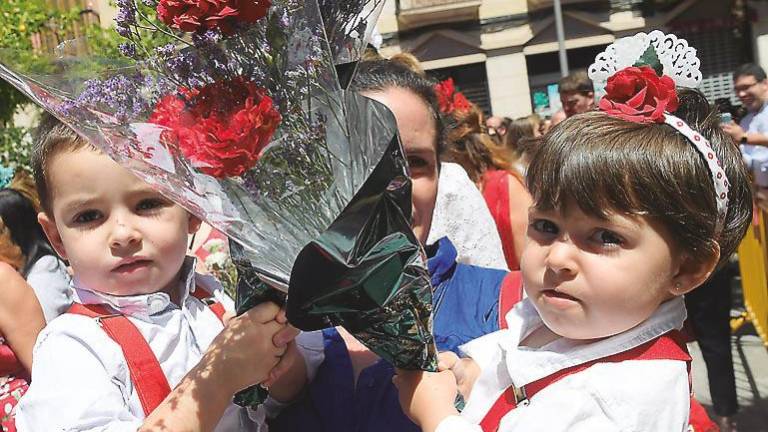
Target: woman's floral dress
{"type": "Point", "coordinates": [13, 384]}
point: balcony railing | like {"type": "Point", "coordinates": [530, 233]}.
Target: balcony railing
{"type": "Point", "coordinates": [414, 5]}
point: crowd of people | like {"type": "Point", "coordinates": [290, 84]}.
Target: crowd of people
{"type": "Point", "coordinates": [559, 250]}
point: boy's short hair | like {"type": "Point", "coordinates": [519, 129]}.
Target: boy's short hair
{"type": "Point", "coordinates": [51, 137]}
{"type": "Point", "coordinates": [576, 82]}
{"type": "Point", "coordinates": [749, 69]}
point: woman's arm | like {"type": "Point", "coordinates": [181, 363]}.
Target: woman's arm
{"type": "Point", "coordinates": [519, 202]}
{"type": "Point", "coordinates": [21, 317]}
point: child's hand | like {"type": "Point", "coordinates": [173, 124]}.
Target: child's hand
{"type": "Point", "coordinates": [426, 398]}
{"type": "Point", "coordinates": [465, 370]}
{"type": "Point", "coordinates": [284, 338]}
{"type": "Point", "coordinates": [244, 352]}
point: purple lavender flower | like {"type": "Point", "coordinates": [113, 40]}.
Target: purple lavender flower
{"type": "Point", "coordinates": [68, 108]}
{"type": "Point", "coordinates": [123, 31]}
{"type": "Point", "coordinates": [121, 95]}
{"type": "Point", "coordinates": [182, 66]}
{"type": "Point", "coordinates": [166, 51]}
{"type": "Point", "coordinates": [126, 14]}
{"type": "Point", "coordinates": [207, 39]}
{"type": "Point", "coordinates": [128, 50]}
{"type": "Point", "coordinates": [126, 17]}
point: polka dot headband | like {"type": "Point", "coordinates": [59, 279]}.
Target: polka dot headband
{"type": "Point", "coordinates": [637, 78]}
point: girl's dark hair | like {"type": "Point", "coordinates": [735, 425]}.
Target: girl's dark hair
{"type": "Point", "coordinates": [473, 149]}
{"type": "Point", "coordinates": [19, 215]}
{"type": "Point", "coordinates": [603, 164]}
{"type": "Point", "coordinates": [379, 75]}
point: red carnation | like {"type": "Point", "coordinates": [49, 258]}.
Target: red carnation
{"type": "Point", "coordinates": [221, 128]}
{"type": "Point", "coordinates": [449, 99]}
{"type": "Point", "coordinates": [194, 15]}
{"type": "Point", "coordinates": [637, 94]}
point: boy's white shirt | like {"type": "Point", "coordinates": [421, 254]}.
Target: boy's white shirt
{"type": "Point", "coordinates": [635, 395]}
{"type": "Point", "coordinates": [81, 380]}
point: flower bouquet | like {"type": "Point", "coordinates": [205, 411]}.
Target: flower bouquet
{"type": "Point", "coordinates": [235, 110]}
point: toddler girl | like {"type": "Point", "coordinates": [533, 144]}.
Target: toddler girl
{"type": "Point", "coordinates": [633, 207]}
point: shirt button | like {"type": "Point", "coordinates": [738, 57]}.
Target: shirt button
{"type": "Point", "coordinates": [156, 304]}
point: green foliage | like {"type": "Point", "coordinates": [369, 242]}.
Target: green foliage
{"type": "Point", "coordinates": [19, 21]}
{"type": "Point", "coordinates": [103, 42]}
{"type": "Point", "coordinates": [15, 147]}
{"type": "Point", "coordinates": [10, 99]}
{"type": "Point", "coordinates": [650, 58]}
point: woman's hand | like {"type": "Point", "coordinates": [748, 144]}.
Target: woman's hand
{"type": "Point", "coordinates": [427, 398]}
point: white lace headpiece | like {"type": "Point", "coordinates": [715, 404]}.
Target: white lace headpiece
{"type": "Point", "coordinates": [678, 60]}
{"type": "Point", "coordinates": [674, 59]}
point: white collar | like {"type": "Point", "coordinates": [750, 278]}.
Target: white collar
{"type": "Point", "coordinates": [140, 306]}
{"type": "Point", "coordinates": [564, 353]}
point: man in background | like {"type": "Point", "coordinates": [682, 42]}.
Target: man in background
{"type": "Point", "coordinates": [576, 94]}
{"type": "Point", "coordinates": [751, 86]}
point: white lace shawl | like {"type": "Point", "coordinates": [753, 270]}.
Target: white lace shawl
{"type": "Point", "coordinates": [462, 215]}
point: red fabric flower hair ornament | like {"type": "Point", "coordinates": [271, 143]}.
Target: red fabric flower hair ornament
{"type": "Point", "coordinates": [639, 95]}
{"type": "Point", "coordinates": [221, 128]}
{"type": "Point", "coordinates": [449, 99]}
{"type": "Point", "coordinates": [643, 90]}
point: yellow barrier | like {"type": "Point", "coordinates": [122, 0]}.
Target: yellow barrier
{"type": "Point", "coordinates": [753, 252]}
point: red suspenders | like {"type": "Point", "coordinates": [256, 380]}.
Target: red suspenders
{"type": "Point", "coordinates": [215, 305]}
{"type": "Point", "coordinates": [666, 347]}
{"type": "Point", "coordinates": [146, 374]}
{"type": "Point", "coordinates": [510, 294]}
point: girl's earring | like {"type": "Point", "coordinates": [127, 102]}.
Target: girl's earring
{"type": "Point", "coordinates": [678, 285]}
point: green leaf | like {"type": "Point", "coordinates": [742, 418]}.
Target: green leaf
{"type": "Point", "coordinates": [650, 58]}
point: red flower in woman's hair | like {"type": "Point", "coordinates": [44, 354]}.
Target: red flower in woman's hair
{"type": "Point", "coordinates": [460, 102]}
{"type": "Point", "coordinates": [221, 128]}
{"type": "Point", "coordinates": [449, 99]}
{"type": "Point", "coordinates": [638, 95]}
{"type": "Point", "coordinates": [195, 15]}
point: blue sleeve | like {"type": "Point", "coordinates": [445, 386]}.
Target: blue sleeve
{"type": "Point", "coordinates": [467, 306]}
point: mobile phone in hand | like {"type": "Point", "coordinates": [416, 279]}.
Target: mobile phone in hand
{"type": "Point", "coordinates": [726, 118]}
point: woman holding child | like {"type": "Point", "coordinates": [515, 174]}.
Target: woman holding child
{"type": "Point", "coordinates": [467, 299]}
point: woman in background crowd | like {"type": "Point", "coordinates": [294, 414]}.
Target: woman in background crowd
{"type": "Point", "coordinates": [500, 182]}
{"type": "Point", "coordinates": [21, 319]}
{"type": "Point", "coordinates": [518, 141]}
{"type": "Point", "coordinates": [41, 267]}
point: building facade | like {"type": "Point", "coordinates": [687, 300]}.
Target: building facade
{"type": "Point", "coordinates": [504, 53]}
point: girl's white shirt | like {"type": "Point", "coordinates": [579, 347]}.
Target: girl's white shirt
{"type": "Point", "coordinates": [633, 395]}
{"type": "Point", "coordinates": [81, 379]}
